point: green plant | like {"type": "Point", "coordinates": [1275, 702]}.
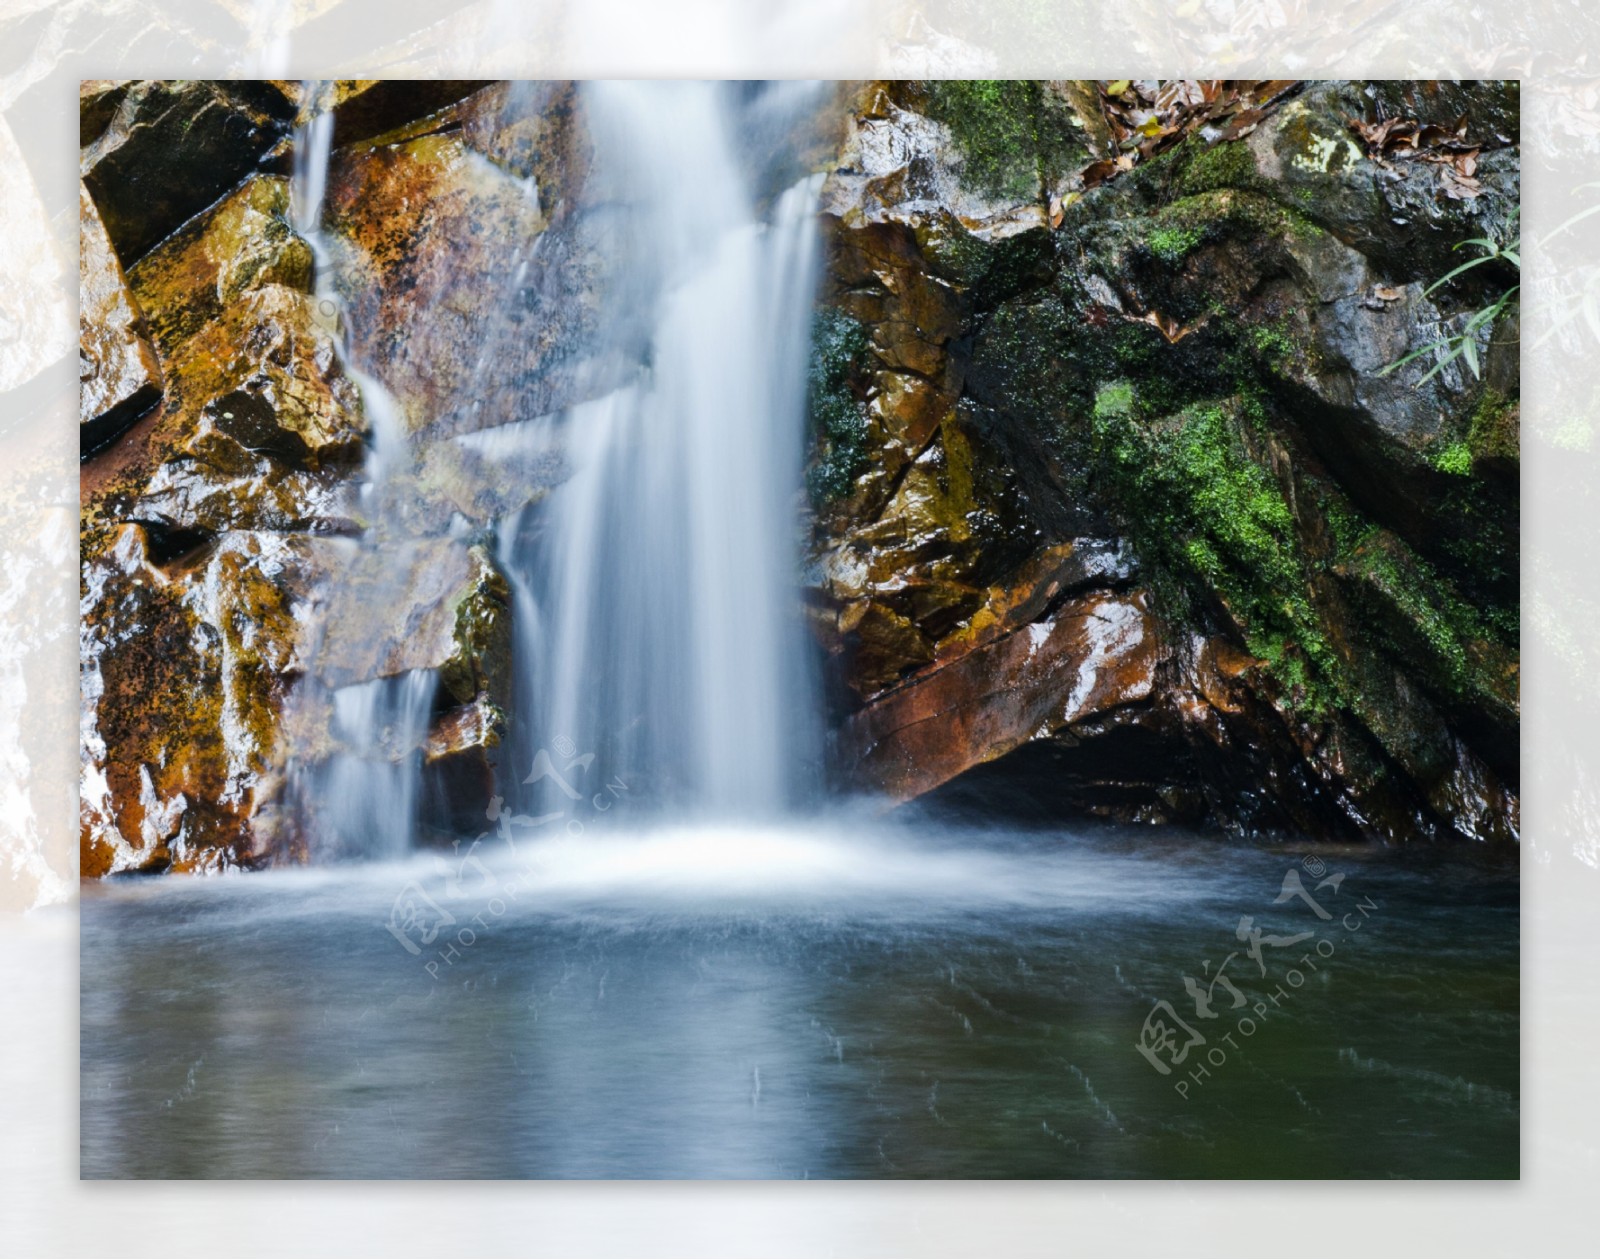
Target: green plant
{"type": "Point", "coordinates": [1464, 344]}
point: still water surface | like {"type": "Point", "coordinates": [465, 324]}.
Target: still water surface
{"type": "Point", "coordinates": [821, 1002]}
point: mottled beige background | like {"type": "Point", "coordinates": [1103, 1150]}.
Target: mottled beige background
{"type": "Point", "coordinates": [1554, 45]}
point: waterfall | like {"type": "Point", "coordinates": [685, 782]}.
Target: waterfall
{"type": "Point", "coordinates": [656, 604]}
{"type": "Point", "coordinates": [657, 607]}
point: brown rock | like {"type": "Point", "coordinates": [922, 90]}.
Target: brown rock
{"type": "Point", "coordinates": [1097, 653]}
{"type": "Point", "coordinates": [175, 146]}
{"type": "Point", "coordinates": [118, 376]}
{"type": "Point", "coordinates": [259, 427]}
{"type": "Point", "coordinates": [245, 242]}
{"type": "Point", "coordinates": [461, 302]}
{"type": "Point", "coordinates": [369, 109]}
{"type": "Point", "coordinates": [98, 101]}
{"type": "Point", "coordinates": [459, 761]}
{"type": "Point", "coordinates": [187, 662]}
{"type": "Point", "coordinates": [421, 604]}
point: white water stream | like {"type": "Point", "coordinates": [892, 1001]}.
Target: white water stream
{"type": "Point", "coordinates": [362, 800]}
{"type": "Point", "coordinates": [658, 615]}
{"type": "Point", "coordinates": [656, 605]}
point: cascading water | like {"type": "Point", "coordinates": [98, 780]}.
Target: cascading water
{"type": "Point", "coordinates": [657, 605]}
{"type": "Point", "coordinates": [700, 996]}
{"type": "Point", "coordinates": [656, 608]}
{"type": "Point", "coordinates": [361, 801]}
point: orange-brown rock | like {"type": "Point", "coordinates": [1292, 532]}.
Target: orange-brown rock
{"type": "Point", "coordinates": [187, 662]}
{"type": "Point", "coordinates": [459, 764]}
{"type": "Point", "coordinates": [98, 100]}
{"type": "Point", "coordinates": [364, 109]}
{"type": "Point", "coordinates": [259, 427]}
{"type": "Point", "coordinates": [217, 612]}
{"type": "Point", "coordinates": [426, 603]}
{"type": "Point", "coordinates": [1095, 654]}
{"type": "Point", "coordinates": [118, 375]}
{"type": "Point", "coordinates": [473, 299]}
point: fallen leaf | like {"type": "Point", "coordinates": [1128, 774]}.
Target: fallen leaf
{"type": "Point", "coordinates": [1459, 187]}
{"type": "Point", "coordinates": [1169, 328]}
{"type": "Point", "coordinates": [1097, 173]}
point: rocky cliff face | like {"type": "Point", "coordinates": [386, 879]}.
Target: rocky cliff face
{"type": "Point", "coordinates": [1113, 512]}
{"type": "Point", "coordinates": [227, 591]}
{"type": "Point", "coordinates": [1116, 512]}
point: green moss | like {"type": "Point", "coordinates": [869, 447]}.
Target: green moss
{"type": "Point", "coordinates": [1217, 524]}
{"type": "Point", "coordinates": [1233, 212]}
{"type": "Point", "coordinates": [1455, 459]}
{"type": "Point", "coordinates": [1347, 527]}
{"type": "Point", "coordinates": [1273, 343]}
{"type": "Point", "coordinates": [1494, 431]}
{"type": "Point", "coordinates": [1114, 401]}
{"type": "Point", "coordinates": [838, 353]}
{"type": "Point", "coordinates": [1167, 377]}
{"type": "Point", "coordinates": [1217, 166]}
{"type": "Point", "coordinates": [1010, 139]}
{"type": "Point", "coordinates": [1173, 244]}
{"type": "Point", "coordinates": [1426, 608]}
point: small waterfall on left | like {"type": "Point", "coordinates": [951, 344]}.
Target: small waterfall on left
{"type": "Point", "coordinates": [357, 798]}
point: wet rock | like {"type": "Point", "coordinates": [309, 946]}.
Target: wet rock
{"type": "Point", "coordinates": [1044, 579]}
{"type": "Point", "coordinates": [368, 109]}
{"type": "Point", "coordinates": [923, 516]}
{"type": "Point", "coordinates": [208, 658]}
{"type": "Point", "coordinates": [172, 148]}
{"type": "Point", "coordinates": [1399, 213]}
{"type": "Point", "coordinates": [435, 607]}
{"type": "Point", "coordinates": [118, 376]}
{"type": "Point", "coordinates": [1096, 654]}
{"type": "Point", "coordinates": [98, 102]}
{"type": "Point", "coordinates": [243, 243]}
{"type": "Point", "coordinates": [1491, 108]}
{"type": "Point", "coordinates": [1193, 373]}
{"type": "Point", "coordinates": [259, 428]}
{"type": "Point", "coordinates": [434, 604]}
{"type": "Point", "coordinates": [188, 651]}
{"type": "Point", "coordinates": [535, 131]}
{"type": "Point", "coordinates": [460, 763]}
{"type": "Point", "coordinates": [980, 152]}
{"type": "Point", "coordinates": [459, 300]}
